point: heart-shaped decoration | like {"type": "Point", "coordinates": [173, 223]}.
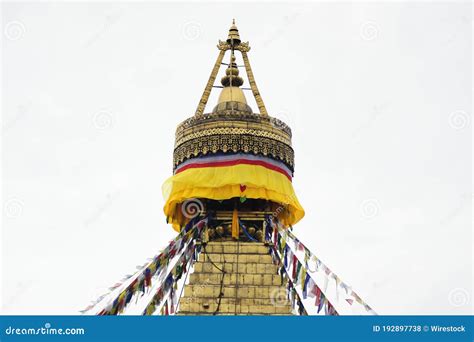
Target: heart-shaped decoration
{"type": "Point", "coordinates": [243, 187]}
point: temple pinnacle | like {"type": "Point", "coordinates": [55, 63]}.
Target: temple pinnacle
{"type": "Point", "coordinates": [234, 38]}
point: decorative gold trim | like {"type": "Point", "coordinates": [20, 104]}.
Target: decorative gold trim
{"type": "Point", "coordinates": [231, 129]}
{"type": "Point", "coordinates": [223, 46]}
{"type": "Point", "coordinates": [272, 124]}
{"type": "Point", "coordinates": [234, 143]}
{"type": "Point", "coordinates": [242, 46]}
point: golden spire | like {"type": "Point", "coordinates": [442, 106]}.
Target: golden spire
{"type": "Point", "coordinates": [231, 83]}
{"type": "Point", "coordinates": [231, 93]}
{"type": "Point", "coordinates": [232, 77]}
{"type": "Point", "coordinates": [234, 38]}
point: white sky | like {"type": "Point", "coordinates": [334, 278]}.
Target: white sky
{"type": "Point", "coordinates": [378, 97]}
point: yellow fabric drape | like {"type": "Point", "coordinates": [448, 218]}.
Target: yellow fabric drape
{"type": "Point", "coordinates": [220, 183]}
{"type": "Point", "coordinates": [235, 224]}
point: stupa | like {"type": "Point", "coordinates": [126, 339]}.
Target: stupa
{"type": "Point", "coordinates": [232, 202]}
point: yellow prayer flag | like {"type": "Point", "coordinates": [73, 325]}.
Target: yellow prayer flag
{"type": "Point", "coordinates": [235, 224]}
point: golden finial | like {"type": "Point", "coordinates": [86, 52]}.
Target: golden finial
{"type": "Point", "coordinates": [232, 78]}
{"type": "Point", "coordinates": [234, 38]}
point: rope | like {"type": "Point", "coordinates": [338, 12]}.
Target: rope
{"type": "Point", "coordinates": [237, 279]}
{"type": "Point", "coordinates": [221, 293]}
{"type": "Point", "coordinates": [301, 310]}
{"type": "Point", "coordinates": [210, 260]}
{"type": "Point", "coordinates": [246, 232]}
{"type": "Point", "coordinates": [186, 278]}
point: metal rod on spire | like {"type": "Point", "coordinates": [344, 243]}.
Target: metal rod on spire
{"type": "Point", "coordinates": [210, 82]}
{"type": "Point", "coordinates": [232, 43]}
{"type": "Point", "coordinates": [253, 85]}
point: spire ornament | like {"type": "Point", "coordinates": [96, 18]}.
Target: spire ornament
{"type": "Point", "coordinates": [232, 78]}
{"type": "Point", "coordinates": [233, 43]}
{"type": "Point", "coordinates": [232, 126]}
{"type": "Point", "coordinates": [233, 37]}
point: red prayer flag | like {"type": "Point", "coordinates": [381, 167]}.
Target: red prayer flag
{"type": "Point", "coordinates": [313, 288]}
{"type": "Point", "coordinates": [318, 296]}
{"type": "Point", "coordinates": [294, 261]}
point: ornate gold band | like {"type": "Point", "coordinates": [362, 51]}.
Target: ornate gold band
{"type": "Point", "coordinates": [225, 128]}
{"type": "Point", "coordinates": [218, 118]}
{"type": "Point", "coordinates": [234, 143]}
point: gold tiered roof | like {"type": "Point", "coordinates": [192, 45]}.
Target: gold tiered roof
{"type": "Point", "coordinates": [232, 126]}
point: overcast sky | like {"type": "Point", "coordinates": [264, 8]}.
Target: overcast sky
{"type": "Point", "coordinates": [378, 97]}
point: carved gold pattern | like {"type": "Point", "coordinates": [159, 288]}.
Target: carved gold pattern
{"type": "Point", "coordinates": [232, 130]}
{"type": "Point", "coordinates": [234, 143]}
{"type": "Point", "coordinates": [242, 46]}
{"type": "Point", "coordinates": [219, 117]}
